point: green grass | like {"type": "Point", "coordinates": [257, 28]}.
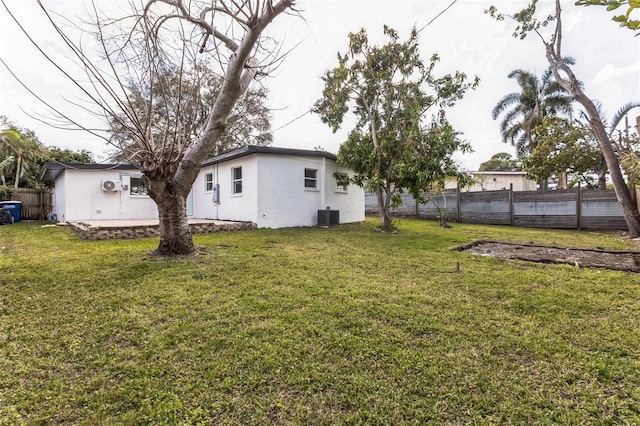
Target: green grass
{"type": "Point", "coordinates": [314, 326]}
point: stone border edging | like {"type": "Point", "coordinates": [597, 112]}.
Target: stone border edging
{"type": "Point", "coordinates": [88, 232]}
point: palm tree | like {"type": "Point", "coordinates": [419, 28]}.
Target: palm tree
{"type": "Point", "coordinates": [538, 98]}
{"type": "Point", "coordinates": [24, 149]}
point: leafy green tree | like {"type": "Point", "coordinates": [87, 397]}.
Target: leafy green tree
{"type": "Point", "coordinates": [564, 149]}
{"type": "Point", "coordinates": [392, 146]}
{"type": "Point", "coordinates": [19, 151]}
{"type": "Point", "coordinates": [523, 110]}
{"type": "Point", "coordinates": [58, 155]}
{"type": "Point", "coordinates": [625, 20]}
{"type": "Point", "coordinates": [178, 103]}
{"type": "Point", "coordinates": [526, 23]}
{"type": "Point", "coordinates": [500, 162]}
{"type": "Point", "coordinates": [22, 157]}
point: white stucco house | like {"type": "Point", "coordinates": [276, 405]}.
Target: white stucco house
{"type": "Point", "coordinates": [271, 187]}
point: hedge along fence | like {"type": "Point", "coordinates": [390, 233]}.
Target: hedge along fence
{"type": "Point", "coordinates": [561, 209]}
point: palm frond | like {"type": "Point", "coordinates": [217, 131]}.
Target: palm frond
{"type": "Point", "coordinates": [7, 164]}
{"type": "Point", "coordinates": [621, 113]}
{"type": "Point", "coordinates": [504, 103]}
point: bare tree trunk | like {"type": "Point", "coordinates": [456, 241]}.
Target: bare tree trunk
{"type": "Point", "coordinates": [602, 181]}
{"type": "Point", "coordinates": [18, 166]}
{"type": "Point", "coordinates": [384, 203]}
{"type": "Point", "coordinates": [602, 174]}
{"type": "Point", "coordinates": [169, 183]}
{"type": "Point", "coordinates": [564, 181]}
{"type": "Point", "coordinates": [175, 233]}
{"type": "Point", "coordinates": [623, 195]}
{"type": "Point", "coordinates": [382, 209]}
{"type": "Point", "coordinates": [572, 84]}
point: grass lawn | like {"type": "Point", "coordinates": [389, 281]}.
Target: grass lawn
{"type": "Point", "coordinates": [314, 326]}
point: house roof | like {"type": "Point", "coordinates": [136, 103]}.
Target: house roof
{"type": "Point", "coordinates": [253, 149]}
{"type": "Point", "coordinates": [51, 171]}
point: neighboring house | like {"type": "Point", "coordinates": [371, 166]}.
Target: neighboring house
{"type": "Point", "coordinates": [98, 191]}
{"type": "Point", "coordinates": [271, 187]}
{"type": "Point", "coordinates": [492, 181]}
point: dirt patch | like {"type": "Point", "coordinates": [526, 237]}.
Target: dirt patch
{"type": "Point", "coordinates": [617, 260]}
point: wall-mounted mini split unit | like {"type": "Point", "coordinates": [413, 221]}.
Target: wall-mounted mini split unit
{"type": "Point", "coordinates": [111, 186]}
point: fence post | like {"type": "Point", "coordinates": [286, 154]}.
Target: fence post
{"type": "Point", "coordinates": [511, 204]}
{"type": "Point", "coordinates": [41, 204]}
{"type": "Point", "coordinates": [459, 213]}
{"type": "Point", "coordinates": [579, 207]}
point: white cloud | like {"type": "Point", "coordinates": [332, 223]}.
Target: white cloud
{"type": "Point", "coordinates": [611, 73]}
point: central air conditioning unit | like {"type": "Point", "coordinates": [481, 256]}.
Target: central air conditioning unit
{"type": "Point", "coordinates": [111, 186]}
{"type": "Point", "coordinates": [328, 217]}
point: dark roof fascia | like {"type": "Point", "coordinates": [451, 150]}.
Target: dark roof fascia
{"type": "Point", "coordinates": [252, 149]}
{"type": "Point", "coordinates": [51, 171]}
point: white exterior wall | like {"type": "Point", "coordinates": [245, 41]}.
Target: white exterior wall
{"type": "Point", "coordinates": [238, 206]}
{"type": "Point", "coordinates": [349, 203]}
{"type": "Point", "coordinates": [203, 206]}
{"type": "Point", "coordinates": [282, 198]}
{"type": "Point", "coordinates": [284, 201]}
{"type": "Point", "coordinates": [241, 207]}
{"type": "Point", "coordinates": [78, 196]}
{"type": "Point", "coordinates": [59, 199]}
{"type": "Point", "coordinates": [273, 192]}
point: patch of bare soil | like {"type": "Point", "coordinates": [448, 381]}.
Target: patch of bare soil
{"type": "Point", "coordinates": [617, 260]}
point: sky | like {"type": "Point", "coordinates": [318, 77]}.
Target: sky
{"type": "Point", "coordinates": [467, 40]}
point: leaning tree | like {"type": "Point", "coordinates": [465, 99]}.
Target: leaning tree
{"type": "Point", "coordinates": [161, 38]}
{"type": "Point", "coordinates": [527, 22]}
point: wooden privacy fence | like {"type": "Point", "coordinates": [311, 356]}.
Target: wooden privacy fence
{"type": "Point", "coordinates": [562, 209]}
{"type": "Point", "coordinates": [36, 203]}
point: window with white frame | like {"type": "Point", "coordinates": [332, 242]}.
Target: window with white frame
{"type": "Point", "coordinates": [236, 180]}
{"type": "Point", "coordinates": [208, 182]}
{"type": "Point", "coordinates": [137, 187]}
{"type": "Point", "coordinates": [310, 179]}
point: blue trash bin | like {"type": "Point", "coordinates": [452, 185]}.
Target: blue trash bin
{"type": "Point", "coordinates": [14, 207]}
